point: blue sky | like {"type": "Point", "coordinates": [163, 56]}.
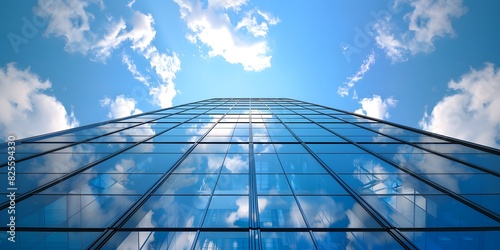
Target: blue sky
{"type": "Point", "coordinates": [429, 64]}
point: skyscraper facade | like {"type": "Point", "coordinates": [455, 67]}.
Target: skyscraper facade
{"type": "Point", "coordinates": [248, 173]}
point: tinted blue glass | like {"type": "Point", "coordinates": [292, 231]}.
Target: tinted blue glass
{"type": "Point", "coordinates": [280, 139]}
{"type": "Point", "coordinates": [335, 212]}
{"type": "Point", "coordinates": [427, 211]}
{"type": "Point", "coordinates": [331, 138]}
{"type": "Point", "coordinates": [272, 184]}
{"type": "Point", "coordinates": [300, 163]}
{"type": "Point", "coordinates": [267, 163]}
{"type": "Point", "coordinates": [227, 211]}
{"type": "Point", "coordinates": [454, 240]}
{"type": "Point", "coordinates": [56, 163]}
{"type": "Point", "coordinates": [411, 158]}
{"type": "Point", "coordinates": [211, 148]}
{"type": "Point", "coordinates": [263, 148]}
{"type": "Point", "coordinates": [188, 184]}
{"type": "Point", "coordinates": [287, 240]}
{"type": "Point", "coordinates": [201, 163]}
{"type": "Point", "coordinates": [335, 148]}
{"type": "Point", "coordinates": [368, 183]}
{"type": "Point", "coordinates": [105, 184]}
{"type": "Point", "coordinates": [51, 240]}
{"type": "Point", "coordinates": [222, 240]}
{"type": "Point", "coordinates": [232, 184]}
{"type": "Point", "coordinates": [136, 163]}
{"type": "Point", "coordinates": [151, 240]}
{"type": "Point", "coordinates": [290, 148]}
{"type": "Point", "coordinates": [357, 163]}
{"type": "Point", "coordinates": [238, 148]}
{"type": "Point", "coordinates": [315, 184]}
{"type": "Point", "coordinates": [279, 212]}
{"type": "Point", "coordinates": [235, 163]}
{"type": "Point", "coordinates": [312, 132]}
{"type": "Point", "coordinates": [489, 202]}
{"type": "Point", "coordinates": [169, 211]}
{"type": "Point", "coordinates": [160, 148]}
{"type": "Point", "coordinates": [355, 240]}
{"type": "Point", "coordinates": [75, 211]}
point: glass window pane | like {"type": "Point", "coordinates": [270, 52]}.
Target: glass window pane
{"type": "Point", "coordinates": [300, 163]}
{"type": "Point", "coordinates": [85, 183]}
{"type": "Point", "coordinates": [272, 184]}
{"type": "Point", "coordinates": [235, 163]}
{"type": "Point", "coordinates": [188, 184]}
{"type": "Point", "coordinates": [201, 163]}
{"type": "Point", "coordinates": [335, 212]}
{"type": "Point", "coordinates": [70, 211]}
{"type": "Point", "coordinates": [367, 183]}
{"type": "Point", "coordinates": [290, 148]}
{"type": "Point", "coordinates": [222, 240]}
{"type": "Point", "coordinates": [227, 211]}
{"type": "Point", "coordinates": [211, 148]}
{"type": "Point", "coordinates": [151, 240]}
{"type": "Point", "coordinates": [136, 163]}
{"type": "Point", "coordinates": [454, 240]}
{"type": "Point", "coordinates": [287, 240]}
{"type": "Point", "coordinates": [267, 163]}
{"type": "Point", "coordinates": [232, 184]}
{"type": "Point", "coordinates": [315, 184]}
{"type": "Point", "coordinates": [279, 211]}
{"type": "Point", "coordinates": [357, 163]}
{"type": "Point", "coordinates": [355, 240]}
{"type": "Point", "coordinates": [51, 240]}
{"type": "Point", "coordinates": [169, 211]}
{"type": "Point", "coordinates": [427, 211]}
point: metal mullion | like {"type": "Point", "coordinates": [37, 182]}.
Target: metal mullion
{"type": "Point", "coordinates": [375, 215]}
{"type": "Point", "coordinates": [110, 231]}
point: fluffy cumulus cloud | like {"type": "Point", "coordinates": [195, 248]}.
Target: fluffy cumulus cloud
{"type": "Point", "coordinates": [428, 20]}
{"type": "Point", "coordinates": [120, 107]}
{"type": "Point", "coordinates": [344, 89]}
{"type": "Point", "coordinates": [472, 113]}
{"type": "Point", "coordinates": [72, 20]}
{"type": "Point", "coordinates": [211, 26]}
{"type": "Point", "coordinates": [26, 109]}
{"type": "Point", "coordinates": [376, 107]}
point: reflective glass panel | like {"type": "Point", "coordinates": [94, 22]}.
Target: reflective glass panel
{"type": "Point", "coordinates": [287, 240]}
{"type": "Point", "coordinates": [188, 184]}
{"type": "Point", "coordinates": [151, 240]}
{"type": "Point", "coordinates": [335, 212]}
{"type": "Point", "coordinates": [454, 240]}
{"type": "Point", "coordinates": [272, 184]}
{"type": "Point", "coordinates": [169, 211]}
{"type": "Point", "coordinates": [279, 211]}
{"type": "Point", "coordinates": [267, 163]}
{"type": "Point", "coordinates": [232, 184]}
{"type": "Point", "coordinates": [315, 184]}
{"type": "Point", "coordinates": [201, 163]}
{"type": "Point", "coordinates": [227, 211]}
{"type": "Point", "coordinates": [300, 163]}
{"type": "Point", "coordinates": [355, 240]}
{"type": "Point", "coordinates": [222, 240]}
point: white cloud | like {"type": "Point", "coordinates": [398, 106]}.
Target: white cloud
{"type": "Point", "coordinates": [26, 109]}
{"type": "Point", "coordinates": [376, 107]}
{"type": "Point", "coordinates": [428, 20]}
{"type": "Point", "coordinates": [67, 19]}
{"type": "Point", "coordinates": [120, 107]}
{"type": "Point", "coordinates": [133, 69]}
{"type": "Point", "coordinates": [472, 113]}
{"type": "Point", "coordinates": [344, 90]}
{"type": "Point", "coordinates": [212, 27]}
{"type": "Point", "coordinates": [138, 30]}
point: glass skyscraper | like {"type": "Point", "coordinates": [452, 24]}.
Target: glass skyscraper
{"type": "Point", "coordinates": [248, 173]}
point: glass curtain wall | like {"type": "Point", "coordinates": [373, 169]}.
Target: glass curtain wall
{"type": "Point", "coordinates": [250, 173]}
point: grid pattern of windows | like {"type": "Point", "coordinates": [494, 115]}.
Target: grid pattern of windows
{"type": "Point", "coordinates": [250, 173]}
